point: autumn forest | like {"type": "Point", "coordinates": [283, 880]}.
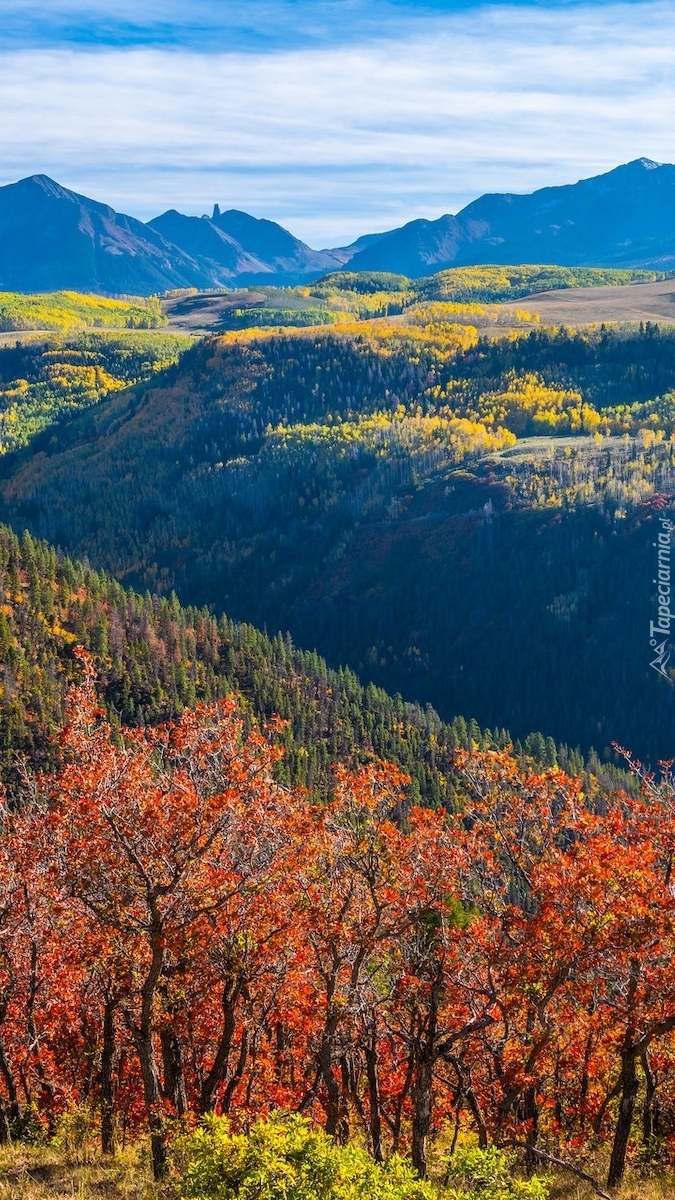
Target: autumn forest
{"type": "Point", "coordinates": [338, 813]}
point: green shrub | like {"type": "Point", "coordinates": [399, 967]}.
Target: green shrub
{"type": "Point", "coordinates": [29, 1127]}
{"type": "Point", "coordinates": [285, 1159]}
{"type": "Point", "coordinates": [76, 1135]}
{"type": "Point", "coordinates": [487, 1175]}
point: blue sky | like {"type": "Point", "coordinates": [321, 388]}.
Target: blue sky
{"type": "Point", "coordinates": [336, 118]}
{"type": "Point", "coordinates": [213, 25]}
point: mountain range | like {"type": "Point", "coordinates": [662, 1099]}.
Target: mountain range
{"type": "Point", "coordinates": [624, 218]}
{"type": "Point", "coordinates": [52, 238]}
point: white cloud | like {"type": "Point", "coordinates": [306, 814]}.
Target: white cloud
{"type": "Point", "coordinates": [338, 141]}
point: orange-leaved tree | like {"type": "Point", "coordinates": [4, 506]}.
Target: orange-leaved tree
{"type": "Point", "coordinates": [155, 831]}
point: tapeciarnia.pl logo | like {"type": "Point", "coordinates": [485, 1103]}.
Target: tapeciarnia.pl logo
{"type": "Point", "coordinates": [659, 630]}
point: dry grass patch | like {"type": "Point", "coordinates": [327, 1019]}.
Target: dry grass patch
{"type": "Point", "coordinates": [40, 1173]}
{"type": "Point", "coordinates": [44, 1173]}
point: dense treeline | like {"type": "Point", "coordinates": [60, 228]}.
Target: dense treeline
{"type": "Point", "coordinates": [608, 367]}
{"type": "Point", "coordinates": [42, 383]}
{"type": "Point", "coordinates": [155, 658]}
{"type": "Point", "coordinates": [491, 284]}
{"type": "Point", "coordinates": [338, 488]}
{"type": "Point", "coordinates": [242, 387]}
{"type": "Point", "coordinates": [368, 294]}
{"type": "Point", "coordinates": [183, 935]}
{"type": "Point", "coordinates": [73, 310]}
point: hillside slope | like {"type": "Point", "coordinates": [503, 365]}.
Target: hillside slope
{"type": "Point", "coordinates": [154, 658]}
{"type": "Point", "coordinates": [362, 495]}
{"type": "Point", "coordinates": [45, 380]}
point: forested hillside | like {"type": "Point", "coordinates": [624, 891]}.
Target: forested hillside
{"type": "Point", "coordinates": [42, 382]}
{"type": "Point", "coordinates": [72, 310]}
{"type": "Point", "coordinates": [295, 887]}
{"type": "Point", "coordinates": [154, 658]}
{"type": "Point", "coordinates": [344, 296]}
{"type": "Point", "coordinates": [400, 499]}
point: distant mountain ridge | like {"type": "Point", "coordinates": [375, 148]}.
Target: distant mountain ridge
{"type": "Point", "coordinates": [624, 218]}
{"type": "Point", "coordinates": [52, 238]}
{"type": "Point", "coordinates": [237, 247]}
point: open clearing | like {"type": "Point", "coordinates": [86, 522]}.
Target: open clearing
{"type": "Point", "coordinates": [586, 306]}
{"type": "Point", "coordinates": [204, 312]}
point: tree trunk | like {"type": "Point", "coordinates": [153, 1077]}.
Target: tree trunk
{"type": "Point", "coordinates": [34, 1041]}
{"type": "Point", "coordinates": [421, 1126]}
{"type": "Point", "coordinates": [374, 1097]}
{"type": "Point", "coordinates": [583, 1091]}
{"type": "Point", "coordinates": [466, 1091]}
{"type": "Point", "coordinates": [478, 1117]}
{"type": "Point", "coordinates": [342, 1135]}
{"type": "Point", "coordinates": [650, 1107]}
{"type": "Point", "coordinates": [558, 1109]}
{"type": "Point", "coordinates": [5, 1131]}
{"type": "Point", "coordinates": [237, 1073]}
{"type": "Point", "coordinates": [218, 1072]}
{"type": "Point", "coordinates": [397, 1123]}
{"type": "Point", "coordinates": [153, 1102]}
{"type": "Point", "coordinates": [531, 1115]}
{"type": "Point", "coordinates": [143, 1039]}
{"type": "Point", "coordinates": [107, 1086]}
{"type": "Point", "coordinates": [175, 1089]}
{"type": "Point", "coordinates": [629, 1087]}
{"type": "Point", "coordinates": [14, 1105]}
{"type": "Point", "coordinates": [330, 1082]}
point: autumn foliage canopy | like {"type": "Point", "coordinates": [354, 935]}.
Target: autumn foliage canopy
{"type": "Point", "coordinates": [181, 935]}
